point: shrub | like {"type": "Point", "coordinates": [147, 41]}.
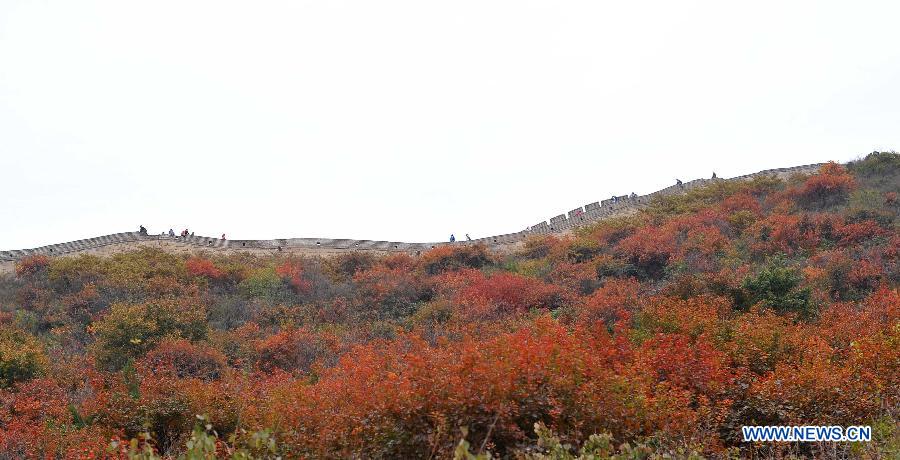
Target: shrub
{"type": "Point", "coordinates": [266, 284]}
{"type": "Point", "coordinates": [185, 359]}
{"type": "Point", "coordinates": [878, 170]}
{"type": "Point", "coordinates": [832, 186]}
{"type": "Point", "coordinates": [778, 287]}
{"type": "Point", "coordinates": [21, 356]}
{"type": "Point", "coordinates": [199, 266]}
{"type": "Point", "coordinates": [71, 274]}
{"type": "Point", "coordinates": [344, 266]}
{"type": "Point", "coordinates": [505, 293]}
{"type": "Point", "coordinates": [129, 331]}
{"type": "Point", "coordinates": [292, 272]}
{"type": "Point", "coordinates": [390, 293]}
{"type": "Point", "coordinates": [447, 258]}
{"type": "Point", "coordinates": [31, 266]}
{"type": "Point", "coordinates": [582, 250]}
{"type": "Point", "coordinates": [538, 247]}
{"type": "Point", "coordinates": [293, 350]}
{"type": "Point", "coordinates": [609, 267]}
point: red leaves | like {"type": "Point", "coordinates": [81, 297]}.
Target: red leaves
{"type": "Point", "coordinates": [185, 360]}
{"type": "Point", "coordinates": [32, 265]}
{"type": "Point", "coordinates": [695, 366]}
{"type": "Point", "coordinates": [650, 247]}
{"type": "Point", "coordinates": [829, 187]}
{"type": "Point", "coordinates": [543, 372]}
{"type": "Point", "coordinates": [612, 304]}
{"type": "Point", "coordinates": [449, 257]}
{"type": "Point", "coordinates": [694, 238]}
{"type": "Point", "coordinates": [503, 293]}
{"type": "Point", "coordinates": [293, 271]}
{"type": "Point", "coordinates": [856, 232]}
{"type": "Point", "coordinates": [294, 350]}
{"type": "Point", "coordinates": [198, 266]}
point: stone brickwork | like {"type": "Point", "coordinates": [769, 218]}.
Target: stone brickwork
{"type": "Point", "coordinates": [589, 213]}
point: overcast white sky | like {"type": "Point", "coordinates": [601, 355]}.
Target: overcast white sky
{"type": "Point", "coordinates": [409, 120]}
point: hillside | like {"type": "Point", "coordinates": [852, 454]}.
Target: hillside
{"type": "Point", "coordinates": [666, 324]}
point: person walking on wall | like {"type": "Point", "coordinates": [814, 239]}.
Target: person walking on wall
{"type": "Point", "coordinates": [714, 174]}
{"type": "Point", "coordinates": [142, 230]}
{"type": "Point", "coordinates": [678, 182]}
{"type": "Point", "coordinates": [468, 238]}
{"type": "Point", "coordinates": [452, 238]}
{"type": "Point", "coordinates": [171, 233]}
{"type": "Point", "coordinates": [223, 237]}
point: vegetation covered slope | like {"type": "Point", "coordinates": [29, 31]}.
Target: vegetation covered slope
{"type": "Point", "coordinates": [764, 302]}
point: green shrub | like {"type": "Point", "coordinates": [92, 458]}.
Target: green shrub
{"type": "Point", "coordinates": [129, 331]}
{"type": "Point", "coordinates": [21, 356]}
{"type": "Point", "coordinates": [582, 250]}
{"type": "Point", "coordinates": [265, 284]}
{"type": "Point", "coordinates": [778, 287]}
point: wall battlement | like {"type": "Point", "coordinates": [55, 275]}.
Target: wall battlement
{"type": "Point", "coordinates": [584, 215]}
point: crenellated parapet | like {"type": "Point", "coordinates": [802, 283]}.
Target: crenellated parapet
{"type": "Point", "coordinates": [583, 215]}
{"type": "Point", "coordinates": [627, 204]}
{"type": "Point", "coordinates": [202, 242]}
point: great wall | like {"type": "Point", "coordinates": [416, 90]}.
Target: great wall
{"type": "Point", "coordinates": [583, 215]}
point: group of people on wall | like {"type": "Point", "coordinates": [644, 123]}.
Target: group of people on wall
{"type": "Point", "coordinates": [184, 233]}
{"type": "Point", "coordinates": [453, 238]}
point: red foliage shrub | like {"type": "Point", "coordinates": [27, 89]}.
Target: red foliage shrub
{"type": "Point", "coordinates": [693, 239]}
{"type": "Point", "coordinates": [295, 350]}
{"type": "Point", "coordinates": [455, 257]}
{"type": "Point", "coordinates": [293, 272]}
{"type": "Point", "coordinates": [185, 360]}
{"type": "Point", "coordinates": [695, 366]}
{"type": "Point", "coordinates": [694, 317]}
{"type": "Point", "coordinates": [506, 293]}
{"type": "Point", "coordinates": [843, 323]}
{"type": "Point", "coordinates": [612, 304]}
{"type": "Point", "coordinates": [32, 265]}
{"type": "Point", "coordinates": [830, 186]}
{"type": "Point", "coordinates": [818, 392]}
{"type": "Point", "coordinates": [576, 278]}
{"type": "Point", "coordinates": [390, 290]}
{"type": "Point", "coordinates": [741, 202]}
{"type": "Point", "coordinates": [199, 266]}
{"type": "Point", "coordinates": [649, 248]}
{"type": "Point", "coordinates": [779, 233]}
{"type": "Point", "coordinates": [502, 385]}
{"type": "Point", "coordinates": [854, 233]}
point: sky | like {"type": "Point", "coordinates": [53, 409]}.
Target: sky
{"type": "Point", "coordinates": [412, 120]}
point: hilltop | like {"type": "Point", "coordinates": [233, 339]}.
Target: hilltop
{"type": "Point", "coordinates": [665, 321]}
{"type": "Point", "coordinates": [562, 224]}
